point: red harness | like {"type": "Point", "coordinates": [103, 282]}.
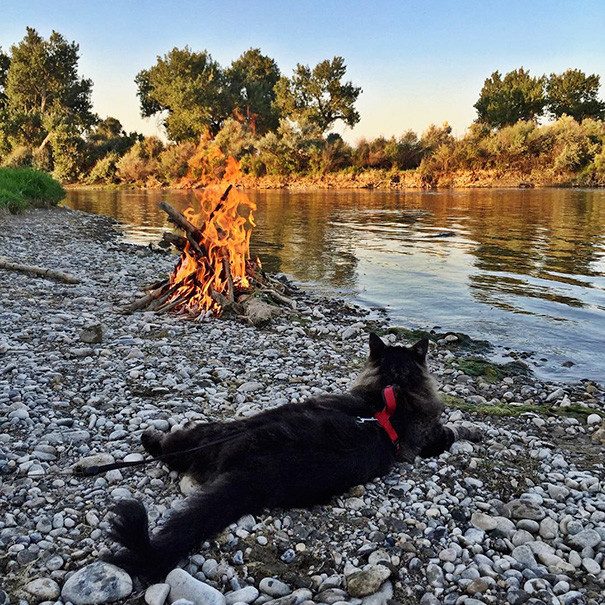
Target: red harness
{"type": "Point", "coordinates": [384, 416]}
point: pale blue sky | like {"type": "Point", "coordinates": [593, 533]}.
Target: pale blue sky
{"type": "Point", "coordinates": [417, 61]}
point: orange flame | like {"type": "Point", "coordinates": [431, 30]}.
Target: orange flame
{"type": "Point", "coordinates": [213, 267]}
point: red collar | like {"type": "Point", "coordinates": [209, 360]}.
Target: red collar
{"type": "Point", "coordinates": [384, 416]}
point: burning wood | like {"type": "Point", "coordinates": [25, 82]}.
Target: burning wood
{"type": "Point", "coordinates": [214, 272]}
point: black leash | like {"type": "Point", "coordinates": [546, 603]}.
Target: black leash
{"type": "Point", "coordinates": [97, 469]}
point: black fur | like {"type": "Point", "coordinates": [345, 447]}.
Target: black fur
{"type": "Point", "coordinates": [293, 456]}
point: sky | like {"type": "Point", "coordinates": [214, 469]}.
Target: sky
{"type": "Point", "coordinates": [418, 62]}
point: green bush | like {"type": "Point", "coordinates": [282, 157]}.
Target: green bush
{"type": "Point", "coordinates": [173, 162]}
{"type": "Point", "coordinates": [334, 155]}
{"type": "Point", "coordinates": [23, 187]}
{"type": "Point", "coordinates": [105, 170]}
{"type": "Point", "coordinates": [290, 149]}
{"type": "Point", "coordinates": [235, 140]}
{"type": "Point", "coordinates": [140, 162]}
{"type": "Point", "coordinates": [19, 157]}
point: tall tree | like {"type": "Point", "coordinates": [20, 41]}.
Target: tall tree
{"type": "Point", "coordinates": [318, 96]}
{"type": "Point", "coordinates": [252, 78]}
{"type": "Point", "coordinates": [108, 136]}
{"type": "Point", "coordinates": [190, 87]}
{"type": "Point", "coordinates": [575, 94]}
{"type": "Point", "coordinates": [43, 90]}
{"type": "Point", "coordinates": [504, 101]}
{"type": "Point", "coordinates": [4, 65]}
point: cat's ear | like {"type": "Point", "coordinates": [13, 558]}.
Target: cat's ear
{"type": "Point", "coordinates": [377, 347]}
{"type": "Point", "coordinates": [420, 349]}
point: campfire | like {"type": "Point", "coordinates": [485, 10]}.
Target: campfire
{"type": "Point", "coordinates": [214, 273]}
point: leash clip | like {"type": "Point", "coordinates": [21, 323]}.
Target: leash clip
{"type": "Point", "coordinates": [361, 420]}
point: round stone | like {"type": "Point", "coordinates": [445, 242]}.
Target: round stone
{"type": "Point", "coordinates": [97, 583]}
{"type": "Point", "coordinates": [367, 581]}
{"type": "Point", "coordinates": [43, 589]}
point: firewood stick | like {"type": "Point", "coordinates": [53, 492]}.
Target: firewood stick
{"type": "Point", "coordinates": [280, 298]}
{"type": "Point", "coordinates": [142, 302]}
{"type": "Point", "coordinates": [171, 304]}
{"type": "Point", "coordinates": [194, 244]}
{"type": "Point", "coordinates": [157, 284]}
{"type": "Point", "coordinates": [164, 297]}
{"type": "Point", "coordinates": [36, 271]}
{"type": "Point", "coordinates": [172, 239]}
{"type": "Point", "coordinates": [176, 218]}
{"type": "Point", "coordinates": [221, 201]}
{"type": "Point", "coordinates": [194, 235]}
{"type": "Point", "coordinates": [226, 192]}
{"type": "Point", "coordinates": [230, 288]}
{"type": "Point", "coordinates": [219, 299]}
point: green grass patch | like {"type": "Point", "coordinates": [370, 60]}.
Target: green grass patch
{"type": "Point", "coordinates": [513, 411]}
{"type": "Point", "coordinates": [22, 188]}
{"type": "Point", "coordinates": [489, 371]}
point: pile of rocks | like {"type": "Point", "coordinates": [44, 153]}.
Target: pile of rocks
{"type": "Point", "coordinates": [518, 518]}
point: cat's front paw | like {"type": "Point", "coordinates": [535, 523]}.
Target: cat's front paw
{"type": "Point", "coordinates": [151, 440]}
{"type": "Point", "coordinates": [467, 431]}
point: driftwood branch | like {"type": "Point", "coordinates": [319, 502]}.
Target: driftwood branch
{"type": "Point", "coordinates": [280, 298]}
{"type": "Point", "coordinates": [36, 271]}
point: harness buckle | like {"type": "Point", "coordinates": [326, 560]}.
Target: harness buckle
{"type": "Point", "coordinates": [361, 420]}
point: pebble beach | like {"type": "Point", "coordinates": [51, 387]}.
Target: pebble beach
{"type": "Point", "coordinates": [517, 518]}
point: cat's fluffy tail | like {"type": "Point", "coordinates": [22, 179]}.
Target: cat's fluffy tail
{"type": "Point", "coordinates": [204, 515]}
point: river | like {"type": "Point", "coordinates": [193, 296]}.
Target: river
{"type": "Point", "coordinates": [524, 269]}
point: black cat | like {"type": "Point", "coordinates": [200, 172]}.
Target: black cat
{"type": "Point", "coordinates": [296, 455]}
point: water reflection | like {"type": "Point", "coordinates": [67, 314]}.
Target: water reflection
{"type": "Point", "coordinates": [525, 268]}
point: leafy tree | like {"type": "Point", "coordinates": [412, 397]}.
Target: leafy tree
{"type": "Point", "coordinates": [575, 94]}
{"type": "Point", "coordinates": [109, 128]}
{"type": "Point", "coordinates": [43, 90]}
{"type": "Point", "coordinates": [372, 154]}
{"type": "Point", "coordinates": [105, 170]}
{"type": "Point", "coordinates": [174, 162]}
{"type": "Point", "coordinates": [406, 152]}
{"type": "Point", "coordinates": [4, 65]}
{"type": "Point", "coordinates": [290, 148]}
{"type": "Point", "coordinates": [235, 139]}
{"type": "Point", "coordinates": [336, 154]}
{"type": "Point", "coordinates": [318, 96]}
{"type": "Point", "coordinates": [436, 136]}
{"type": "Point", "coordinates": [190, 87]}
{"type": "Point", "coordinates": [108, 136]}
{"type": "Point", "coordinates": [140, 162]}
{"type": "Point", "coordinates": [504, 101]}
{"type": "Point", "coordinates": [68, 152]}
{"type": "Point", "coordinates": [251, 80]}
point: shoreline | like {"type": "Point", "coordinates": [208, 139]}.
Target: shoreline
{"type": "Point", "coordinates": [63, 398]}
{"type": "Point", "coordinates": [384, 180]}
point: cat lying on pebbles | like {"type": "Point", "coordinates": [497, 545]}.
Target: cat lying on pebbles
{"type": "Point", "coordinates": [295, 455]}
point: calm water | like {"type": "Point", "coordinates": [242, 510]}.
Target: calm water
{"type": "Point", "coordinates": [524, 269]}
